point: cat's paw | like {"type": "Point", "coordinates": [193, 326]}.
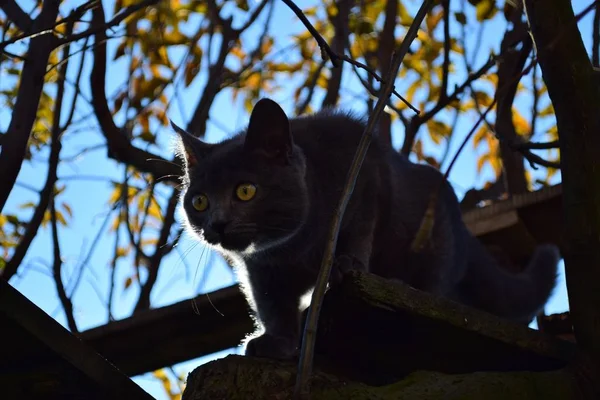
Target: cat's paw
{"type": "Point", "coordinates": [341, 266]}
{"type": "Point", "coordinates": [269, 346]}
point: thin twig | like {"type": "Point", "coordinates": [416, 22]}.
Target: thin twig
{"type": "Point", "coordinates": [326, 51]}
{"type": "Point", "coordinates": [54, 160]}
{"type": "Point", "coordinates": [536, 145]}
{"type": "Point", "coordinates": [302, 389]}
{"type": "Point", "coordinates": [116, 20]}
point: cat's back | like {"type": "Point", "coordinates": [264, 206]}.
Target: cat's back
{"type": "Point", "coordinates": [330, 135]}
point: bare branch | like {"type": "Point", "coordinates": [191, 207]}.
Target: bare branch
{"type": "Point", "coordinates": [162, 248]}
{"type": "Point", "coordinates": [252, 17]}
{"type": "Point", "coordinates": [116, 20]}
{"type": "Point", "coordinates": [302, 389]}
{"type": "Point", "coordinates": [340, 26]}
{"type": "Point", "coordinates": [574, 89]}
{"type": "Point", "coordinates": [14, 143]}
{"type": "Point", "coordinates": [119, 146]}
{"type": "Point", "coordinates": [446, 64]}
{"type": "Point", "coordinates": [418, 120]}
{"type": "Point", "coordinates": [17, 15]}
{"type": "Point", "coordinates": [511, 66]}
{"type": "Point", "coordinates": [385, 49]}
{"type": "Point", "coordinates": [301, 107]}
{"type": "Point", "coordinates": [77, 91]}
{"type": "Point", "coordinates": [56, 271]}
{"type": "Point", "coordinates": [326, 51]}
{"type": "Point", "coordinates": [536, 146]}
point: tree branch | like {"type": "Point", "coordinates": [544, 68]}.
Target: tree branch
{"type": "Point", "coordinates": [143, 302]}
{"type": "Point", "coordinates": [14, 143]}
{"type": "Point", "coordinates": [537, 146]}
{"type": "Point", "coordinates": [119, 146]}
{"type": "Point", "coordinates": [340, 26]}
{"type": "Point", "coordinates": [512, 64]}
{"type": "Point", "coordinates": [446, 64]}
{"type": "Point", "coordinates": [418, 120]}
{"type": "Point", "coordinates": [326, 51]}
{"type": "Point", "coordinates": [56, 271]}
{"type": "Point", "coordinates": [385, 50]}
{"type": "Point", "coordinates": [116, 20]}
{"type": "Point", "coordinates": [16, 14]}
{"type": "Point", "coordinates": [302, 389]}
{"type": "Point", "coordinates": [54, 160]}
{"type": "Point", "coordinates": [574, 88]}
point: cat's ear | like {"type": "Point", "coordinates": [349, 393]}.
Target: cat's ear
{"type": "Point", "coordinates": [189, 147]}
{"type": "Point", "coordinates": [269, 131]}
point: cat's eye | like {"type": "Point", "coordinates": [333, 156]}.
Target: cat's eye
{"type": "Point", "coordinates": [200, 202]}
{"type": "Point", "coordinates": [245, 191]}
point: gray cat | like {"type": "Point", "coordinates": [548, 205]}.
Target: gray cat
{"type": "Point", "coordinates": [265, 198]}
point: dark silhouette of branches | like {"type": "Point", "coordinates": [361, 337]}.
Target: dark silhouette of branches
{"type": "Point", "coordinates": [119, 146]}
{"type": "Point", "coordinates": [54, 160]}
{"type": "Point", "coordinates": [340, 25]}
{"type": "Point", "coordinates": [14, 141]}
{"type": "Point", "coordinates": [17, 15]}
{"type": "Point", "coordinates": [511, 65]}
{"type": "Point", "coordinates": [387, 45]}
{"type": "Point", "coordinates": [162, 248]}
{"type": "Point", "coordinates": [116, 20]}
{"type": "Point", "coordinates": [574, 88]}
{"type": "Point", "coordinates": [328, 53]}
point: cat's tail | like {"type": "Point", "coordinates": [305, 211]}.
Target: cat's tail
{"type": "Point", "coordinates": [519, 297]}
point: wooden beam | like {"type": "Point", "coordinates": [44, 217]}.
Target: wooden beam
{"type": "Point", "coordinates": [39, 359]}
{"type": "Point", "coordinates": [165, 336]}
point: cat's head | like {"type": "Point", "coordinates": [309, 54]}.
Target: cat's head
{"type": "Point", "coordinates": [247, 193]}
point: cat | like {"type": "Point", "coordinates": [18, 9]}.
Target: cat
{"type": "Point", "coordinates": [265, 198]}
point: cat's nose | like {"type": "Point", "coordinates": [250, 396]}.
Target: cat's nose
{"type": "Point", "coordinates": [219, 227]}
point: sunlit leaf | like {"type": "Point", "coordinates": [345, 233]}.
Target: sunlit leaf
{"type": "Point", "coordinates": [486, 9]}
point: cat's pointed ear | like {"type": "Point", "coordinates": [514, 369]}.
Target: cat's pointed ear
{"type": "Point", "coordinates": [189, 147]}
{"type": "Point", "coordinates": [269, 131]}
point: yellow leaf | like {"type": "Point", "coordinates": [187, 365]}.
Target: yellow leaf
{"type": "Point", "coordinates": [432, 20]}
{"type": "Point", "coordinates": [481, 161]}
{"type": "Point", "coordinates": [128, 282]}
{"type": "Point", "coordinates": [266, 45]}
{"type": "Point", "coordinates": [123, 252]}
{"type": "Point", "coordinates": [405, 18]}
{"type": "Point", "coordinates": [486, 9]}
{"type": "Point", "coordinates": [483, 99]}
{"type": "Point", "coordinates": [479, 136]}
{"type": "Point", "coordinates": [546, 111]}
{"type": "Point", "coordinates": [67, 208]}
{"type": "Point", "coordinates": [521, 124]}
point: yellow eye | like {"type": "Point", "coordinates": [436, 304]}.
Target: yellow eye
{"type": "Point", "coordinates": [245, 191]}
{"type": "Point", "coordinates": [200, 202]}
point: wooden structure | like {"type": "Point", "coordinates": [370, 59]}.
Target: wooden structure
{"type": "Point", "coordinates": [380, 339]}
{"type": "Point", "coordinates": [39, 359]}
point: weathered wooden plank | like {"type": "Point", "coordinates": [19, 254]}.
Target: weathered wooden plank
{"type": "Point", "coordinates": [39, 359]}
{"type": "Point", "coordinates": [156, 338]}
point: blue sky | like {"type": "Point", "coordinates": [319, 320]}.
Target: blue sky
{"type": "Point", "coordinates": [184, 272]}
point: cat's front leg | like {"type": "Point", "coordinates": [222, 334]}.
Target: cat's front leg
{"type": "Point", "coordinates": [354, 248]}
{"type": "Point", "coordinates": [277, 308]}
